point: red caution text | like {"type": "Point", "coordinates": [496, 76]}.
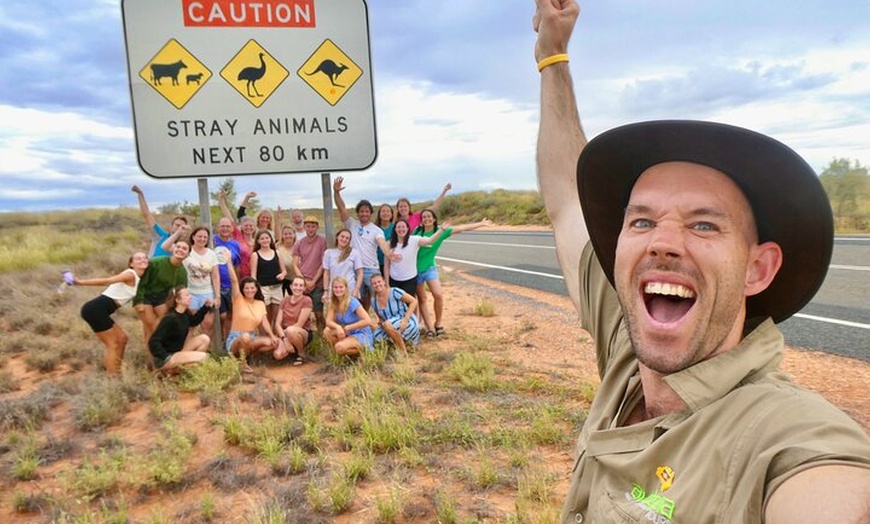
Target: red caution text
{"type": "Point", "coordinates": [249, 13]}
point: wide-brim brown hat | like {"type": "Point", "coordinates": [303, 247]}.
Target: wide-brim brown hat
{"type": "Point", "coordinates": [787, 198]}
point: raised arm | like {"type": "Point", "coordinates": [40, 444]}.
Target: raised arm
{"type": "Point", "coordinates": [143, 206]}
{"type": "Point", "coordinates": [425, 241]}
{"type": "Point", "coordinates": [234, 279]}
{"type": "Point", "coordinates": [173, 238]}
{"type": "Point", "coordinates": [225, 209]}
{"type": "Point", "coordinates": [560, 138]}
{"type": "Point", "coordinates": [124, 276]}
{"type": "Point", "coordinates": [337, 188]}
{"type": "Point", "coordinates": [437, 203]}
{"type": "Point", "coordinates": [471, 226]}
{"type": "Point", "coordinates": [240, 213]}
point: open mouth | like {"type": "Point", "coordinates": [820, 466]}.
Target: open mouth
{"type": "Point", "coordinates": [667, 303]}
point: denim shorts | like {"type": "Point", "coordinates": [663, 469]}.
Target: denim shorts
{"type": "Point", "coordinates": [236, 334]}
{"type": "Point", "coordinates": [366, 286]}
{"type": "Point", "coordinates": [427, 275]}
{"type": "Point", "coordinates": [197, 300]}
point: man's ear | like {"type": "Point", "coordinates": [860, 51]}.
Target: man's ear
{"type": "Point", "coordinates": [763, 264]}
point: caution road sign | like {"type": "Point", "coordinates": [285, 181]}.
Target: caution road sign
{"type": "Point", "coordinates": [175, 73]}
{"type": "Point", "coordinates": [254, 73]}
{"type": "Point", "coordinates": [250, 86]}
{"type": "Point", "coordinates": [330, 72]}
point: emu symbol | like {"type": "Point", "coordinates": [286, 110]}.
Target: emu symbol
{"type": "Point", "coordinates": [330, 69]}
{"type": "Point", "coordinates": [158, 71]}
{"type": "Point", "coordinates": [252, 74]}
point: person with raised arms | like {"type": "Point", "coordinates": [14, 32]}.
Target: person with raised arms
{"type": "Point", "coordinates": [251, 331]}
{"type": "Point", "coordinates": [366, 238]}
{"type": "Point", "coordinates": [158, 234]}
{"type": "Point", "coordinates": [683, 243]}
{"type": "Point", "coordinates": [427, 270]}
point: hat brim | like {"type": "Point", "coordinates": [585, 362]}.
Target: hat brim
{"type": "Point", "coordinates": [791, 208]}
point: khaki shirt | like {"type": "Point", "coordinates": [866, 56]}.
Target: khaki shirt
{"type": "Point", "coordinates": [747, 429]}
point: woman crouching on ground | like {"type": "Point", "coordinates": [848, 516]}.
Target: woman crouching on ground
{"type": "Point", "coordinates": [98, 312]}
{"type": "Point", "coordinates": [395, 310]}
{"type": "Point", "coordinates": [294, 323]}
{"type": "Point", "coordinates": [348, 324]}
{"type": "Point", "coordinates": [249, 321]}
{"type": "Point", "coordinates": [169, 345]}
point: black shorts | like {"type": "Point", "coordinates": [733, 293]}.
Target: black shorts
{"type": "Point", "coordinates": [153, 299]}
{"type": "Point", "coordinates": [98, 313]}
{"type": "Point", "coordinates": [408, 286]}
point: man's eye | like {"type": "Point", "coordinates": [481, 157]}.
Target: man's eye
{"type": "Point", "coordinates": [705, 226]}
{"type": "Point", "coordinates": [641, 223]}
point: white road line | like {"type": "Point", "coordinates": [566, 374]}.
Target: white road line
{"type": "Point", "coordinates": [849, 268]}
{"type": "Point", "coordinates": [497, 244]}
{"type": "Point", "coordinates": [559, 277]}
{"type": "Point", "coordinates": [833, 321]}
{"type": "Point", "coordinates": [502, 268]}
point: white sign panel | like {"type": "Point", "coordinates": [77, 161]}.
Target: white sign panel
{"type": "Point", "coordinates": [233, 87]}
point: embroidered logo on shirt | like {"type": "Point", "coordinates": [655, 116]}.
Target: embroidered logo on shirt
{"type": "Point", "coordinates": [666, 477]}
{"type": "Point", "coordinates": [659, 508]}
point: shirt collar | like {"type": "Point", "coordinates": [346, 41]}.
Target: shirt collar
{"type": "Point", "coordinates": [759, 353]}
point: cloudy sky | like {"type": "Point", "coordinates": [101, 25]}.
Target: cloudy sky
{"type": "Point", "coordinates": [456, 92]}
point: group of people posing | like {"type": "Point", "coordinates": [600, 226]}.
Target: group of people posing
{"type": "Point", "coordinates": [265, 278]}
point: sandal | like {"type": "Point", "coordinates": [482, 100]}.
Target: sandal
{"type": "Point", "coordinates": [298, 361]}
{"type": "Point", "coordinates": [248, 370]}
{"type": "Point", "coordinates": [439, 330]}
{"type": "Point", "coordinates": [430, 334]}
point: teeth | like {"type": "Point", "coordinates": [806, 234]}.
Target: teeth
{"type": "Point", "coordinates": [658, 288]}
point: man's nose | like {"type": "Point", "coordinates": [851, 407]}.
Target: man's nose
{"type": "Point", "coordinates": [666, 241]}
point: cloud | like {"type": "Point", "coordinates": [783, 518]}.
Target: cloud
{"type": "Point", "coordinates": [710, 88]}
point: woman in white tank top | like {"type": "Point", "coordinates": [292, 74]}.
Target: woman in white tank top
{"type": "Point", "coordinates": [97, 312]}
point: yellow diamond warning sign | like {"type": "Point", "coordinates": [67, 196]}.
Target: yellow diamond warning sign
{"type": "Point", "coordinates": [254, 73]}
{"type": "Point", "coordinates": [330, 72]}
{"type": "Point", "coordinates": [175, 73]}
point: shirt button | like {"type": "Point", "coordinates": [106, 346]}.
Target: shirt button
{"type": "Point", "coordinates": [578, 518]}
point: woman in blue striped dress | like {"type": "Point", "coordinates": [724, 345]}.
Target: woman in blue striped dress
{"type": "Point", "coordinates": [395, 310]}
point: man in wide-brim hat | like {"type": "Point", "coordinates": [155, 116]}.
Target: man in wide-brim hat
{"type": "Point", "coordinates": [689, 242]}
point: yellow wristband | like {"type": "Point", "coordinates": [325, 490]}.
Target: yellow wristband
{"type": "Point", "coordinates": [550, 60]}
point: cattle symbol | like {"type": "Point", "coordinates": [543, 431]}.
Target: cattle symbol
{"type": "Point", "coordinates": [194, 78]}
{"type": "Point", "coordinates": [251, 75]}
{"type": "Point", "coordinates": [158, 71]}
{"type": "Point", "coordinates": [330, 69]}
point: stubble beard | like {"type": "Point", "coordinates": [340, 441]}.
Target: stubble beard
{"type": "Point", "coordinates": [708, 336]}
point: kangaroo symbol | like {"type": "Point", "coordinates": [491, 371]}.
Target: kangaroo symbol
{"type": "Point", "coordinates": [330, 69]}
{"type": "Point", "coordinates": [252, 74]}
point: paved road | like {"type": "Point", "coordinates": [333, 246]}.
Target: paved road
{"type": "Point", "coordinates": [836, 321]}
